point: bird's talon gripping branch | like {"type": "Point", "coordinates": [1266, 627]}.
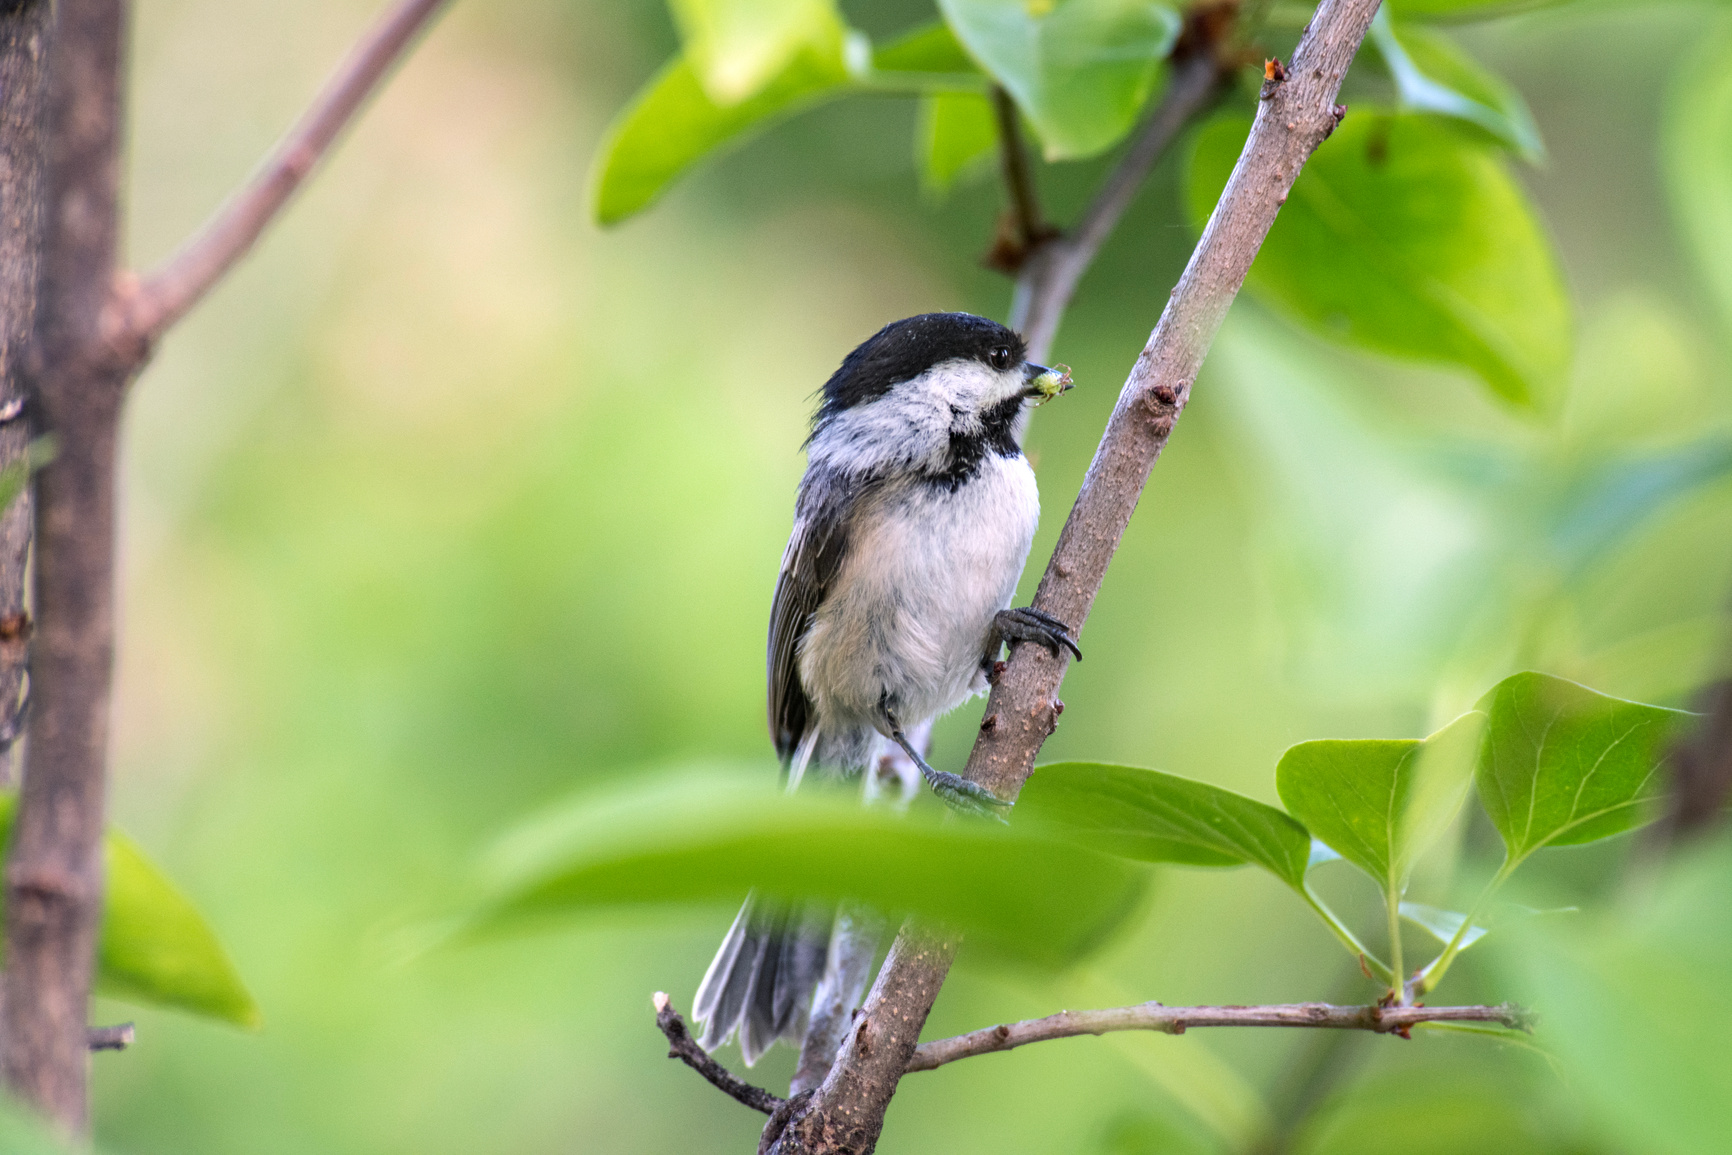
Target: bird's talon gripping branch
{"type": "Point", "coordinates": [1028, 624]}
{"type": "Point", "coordinates": [954, 790]}
{"type": "Point", "coordinates": [960, 794]}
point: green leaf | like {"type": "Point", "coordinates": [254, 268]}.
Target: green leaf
{"type": "Point", "coordinates": [1634, 1005]}
{"type": "Point", "coordinates": [673, 123]}
{"type": "Point", "coordinates": [1156, 817]}
{"type": "Point", "coordinates": [1381, 803]}
{"type": "Point", "coordinates": [1080, 70]}
{"type": "Point", "coordinates": [1467, 9]}
{"type": "Point", "coordinates": [1433, 75]}
{"type": "Point", "coordinates": [957, 132]}
{"type": "Point", "coordinates": [1563, 764]}
{"type": "Point", "coordinates": [155, 946]}
{"type": "Point", "coordinates": [1616, 497]}
{"type": "Point", "coordinates": [14, 477]}
{"type": "Point", "coordinates": [711, 837]}
{"type": "Point", "coordinates": [22, 1132]}
{"type": "Point", "coordinates": [1403, 237]}
{"type": "Point", "coordinates": [1697, 152]}
{"type": "Point", "coordinates": [1443, 925]}
{"type": "Point", "coordinates": [736, 47]}
{"type": "Point", "coordinates": [928, 48]}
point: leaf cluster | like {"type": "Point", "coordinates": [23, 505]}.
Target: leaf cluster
{"type": "Point", "coordinates": [1554, 763]}
{"type": "Point", "coordinates": [1407, 234]}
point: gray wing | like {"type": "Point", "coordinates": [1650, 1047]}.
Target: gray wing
{"type": "Point", "coordinates": [815, 550]}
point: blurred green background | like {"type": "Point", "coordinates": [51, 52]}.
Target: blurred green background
{"type": "Point", "coordinates": [448, 503]}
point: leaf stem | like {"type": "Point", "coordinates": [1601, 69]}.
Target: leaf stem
{"type": "Point", "coordinates": [1392, 905]}
{"type": "Point", "coordinates": [1433, 974]}
{"type": "Point", "coordinates": [1346, 937]}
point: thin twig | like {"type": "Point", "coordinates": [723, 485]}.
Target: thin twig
{"type": "Point", "coordinates": [143, 310]}
{"type": "Point", "coordinates": [1028, 228]}
{"type": "Point", "coordinates": [683, 1047]}
{"type": "Point", "coordinates": [1049, 276]}
{"type": "Point", "coordinates": [1298, 114]}
{"type": "Point", "coordinates": [1177, 1020]}
{"type": "Point", "coordinates": [115, 1038]}
{"type": "Point", "coordinates": [1701, 765]}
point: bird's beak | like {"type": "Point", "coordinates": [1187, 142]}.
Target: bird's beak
{"type": "Point", "coordinates": [1044, 384]}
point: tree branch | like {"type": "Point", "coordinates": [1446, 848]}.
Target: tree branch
{"type": "Point", "coordinates": [1295, 116]}
{"type": "Point", "coordinates": [1023, 229]}
{"type": "Point", "coordinates": [25, 32]}
{"type": "Point", "coordinates": [144, 310]}
{"type": "Point", "coordinates": [1049, 276]}
{"type": "Point", "coordinates": [1177, 1020]}
{"type": "Point", "coordinates": [90, 334]}
{"type": "Point", "coordinates": [115, 1038]}
{"type": "Point", "coordinates": [53, 879]}
{"type": "Point", "coordinates": [683, 1047]}
{"type": "Point", "coordinates": [1701, 766]}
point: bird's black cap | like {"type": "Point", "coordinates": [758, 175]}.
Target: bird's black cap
{"type": "Point", "coordinates": [903, 350]}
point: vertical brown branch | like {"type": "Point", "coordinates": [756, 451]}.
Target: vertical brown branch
{"type": "Point", "coordinates": [1701, 765]}
{"type": "Point", "coordinates": [1295, 116]}
{"type": "Point", "coordinates": [25, 28]}
{"type": "Point", "coordinates": [53, 875]}
{"type": "Point", "coordinates": [91, 333]}
{"type": "Point", "coordinates": [1023, 229]}
{"type": "Point", "coordinates": [1048, 277]}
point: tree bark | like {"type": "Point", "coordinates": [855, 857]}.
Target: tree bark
{"type": "Point", "coordinates": [54, 872]}
{"type": "Point", "coordinates": [25, 31]}
{"type": "Point", "coordinates": [1297, 113]}
{"type": "Point", "coordinates": [91, 331]}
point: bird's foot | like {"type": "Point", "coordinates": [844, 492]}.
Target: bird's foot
{"type": "Point", "coordinates": [960, 794]}
{"type": "Point", "coordinates": [1031, 625]}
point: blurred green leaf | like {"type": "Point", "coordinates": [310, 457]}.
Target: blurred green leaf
{"type": "Point", "coordinates": [736, 47]}
{"type": "Point", "coordinates": [672, 123]}
{"type": "Point", "coordinates": [1156, 817]}
{"type": "Point", "coordinates": [1433, 75]}
{"type": "Point", "coordinates": [1453, 1109]}
{"type": "Point", "coordinates": [1635, 1006]}
{"type": "Point", "coordinates": [1403, 237]}
{"type": "Point", "coordinates": [1697, 154]}
{"type": "Point", "coordinates": [155, 946]}
{"type": "Point", "coordinates": [1381, 803]}
{"type": "Point", "coordinates": [14, 477]}
{"type": "Point", "coordinates": [1563, 764]}
{"type": "Point", "coordinates": [1443, 925]}
{"type": "Point", "coordinates": [22, 1133]}
{"type": "Point", "coordinates": [1465, 10]}
{"type": "Point", "coordinates": [1080, 70]}
{"type": "Point", "coordinates": [710, 837]}
{"type": "Point", "coordinates": [1616, 497]}
{"type": "Point", "coordinates": [957, 130]}
{"type": "Point", "coordinates": [928, 48]}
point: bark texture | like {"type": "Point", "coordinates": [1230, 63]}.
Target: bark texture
{"type": "Point", "coordinates": [91, 332]}
{"type": "Point", "coordinates": [54, 873]}
{"type": "Point", "coordinates": [25, 29]}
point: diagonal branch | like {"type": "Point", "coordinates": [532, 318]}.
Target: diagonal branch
{"type": "Point", "coordinates": [1023, 229]}
{"type": "Point", "coordinates": [1049, 276]}
{"type": "Point", "coordinates": [1177, 1020]}
{"type": "Point", "coordinates": [1296, 115]}
{"type": "Point", "coordinates": [683, 1047]}
{"type": "Point", "coordinates": [144, 310]}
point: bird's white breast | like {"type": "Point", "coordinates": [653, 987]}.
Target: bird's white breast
{"type": "Point", "coordinates": [911, 609]}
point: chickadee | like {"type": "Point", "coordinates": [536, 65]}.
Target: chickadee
{"type": "Point", "coordinates": [911, 527]}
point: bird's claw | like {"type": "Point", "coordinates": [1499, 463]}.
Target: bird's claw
{"type": "Point", "coordinates": [959, 793]}
{"type": "Point", "coordinates": [1028, 624]}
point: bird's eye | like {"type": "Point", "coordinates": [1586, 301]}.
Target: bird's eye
{"type": "Point", "coordinates": [1001, 358]}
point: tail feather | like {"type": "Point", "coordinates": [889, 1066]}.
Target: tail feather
{"type": "Point", "coordinates": [762, 979]}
